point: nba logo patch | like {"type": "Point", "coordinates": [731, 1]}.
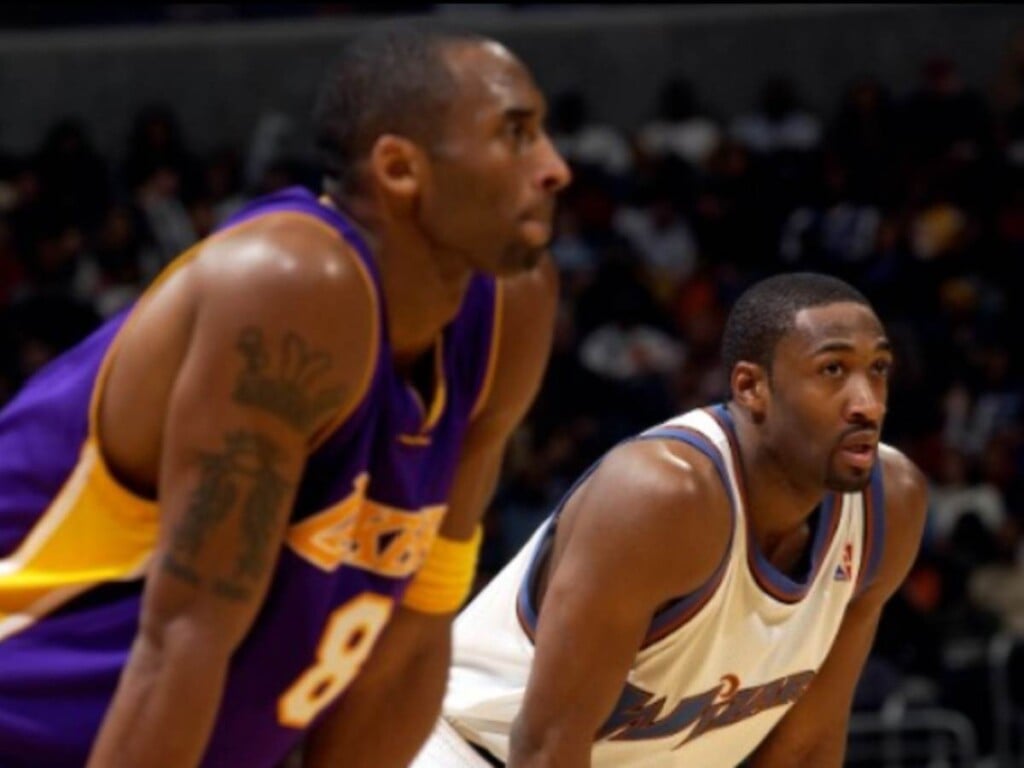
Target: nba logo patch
{"type": "Point", "coordinates": [844, 571]}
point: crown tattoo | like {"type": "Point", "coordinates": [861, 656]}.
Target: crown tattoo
{"type": "Point", "coordinates": [293, 389]}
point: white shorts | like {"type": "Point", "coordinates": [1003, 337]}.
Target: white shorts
{"type": "Point", "coordinates": [447, 749]}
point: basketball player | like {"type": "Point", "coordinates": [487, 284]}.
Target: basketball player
{"type": "Point", "coordinates": [211, 510]}
{"type": "Point", "coordinates": [710, 589]}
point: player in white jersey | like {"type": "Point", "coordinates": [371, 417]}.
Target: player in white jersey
{"type": "Point", "coordinates": [709, 591]}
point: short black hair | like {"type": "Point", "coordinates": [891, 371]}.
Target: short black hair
{"type": "Point", "coordinates": [767, 310]}
{"type": "Point", "coordinates": [393, 78]}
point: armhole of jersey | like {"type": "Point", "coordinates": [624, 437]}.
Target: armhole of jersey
{"type": "Point", "coordinates": [497, 315]}
{"type": "Point", "coordinates": [115, 343]}
{"type": "Point", "coordinates": [526, 609]}
{"type": "Point", "coordinates": [677, 612]}
{"type": "Point", "coordinates": [874, 529]}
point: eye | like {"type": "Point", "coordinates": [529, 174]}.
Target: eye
{"type": "Point", "coordinates": [519, 133]}
{"type": "Point", "coordinates": [882, 368]}
{"type": "Point", "coordinates": [833, 369]}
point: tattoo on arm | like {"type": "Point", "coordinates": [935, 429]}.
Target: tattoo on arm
{"type": "Point", "coordinates": [289, 390]}
{"type": "Point", "coordinates": [244, 469]}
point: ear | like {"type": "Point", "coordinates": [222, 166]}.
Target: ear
{"type": "Point", "coordinates": [750, 388]}
{"type": "Point", "coordinates": [397, 166]}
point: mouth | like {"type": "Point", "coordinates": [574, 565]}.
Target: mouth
{"type": "Point", "coordinates": [538, 230]}
{"type": "Point", "coordinates": [859, 452]}
{"type": "Point", "coordinates": [543, 214]}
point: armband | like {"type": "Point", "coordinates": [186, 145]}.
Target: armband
{"type": "Point", "coordinates": [446, 576]}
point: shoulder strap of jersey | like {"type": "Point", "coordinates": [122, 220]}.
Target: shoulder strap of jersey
{"type": "Point", "coordinates": [676, 613]}
{"type": "Point", "coordinates": [874, 528]}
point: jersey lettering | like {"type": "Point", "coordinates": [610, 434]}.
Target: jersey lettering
{"type": "Point", "coordinates": [363, 533]}
{"type": "Point", "coordinates": [636, 717]}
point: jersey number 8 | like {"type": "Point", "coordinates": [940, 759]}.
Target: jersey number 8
{"type": "Point", "coordinates": [348, 639]}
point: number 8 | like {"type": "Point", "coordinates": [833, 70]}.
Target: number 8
{"type": "Point", "coordinates": [348, 639]}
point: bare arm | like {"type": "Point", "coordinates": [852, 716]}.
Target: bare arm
{"type": "Point", "coordinates": [813, 732]}
{"type": "Point", "coordinates": [412, 655]}
{"type": "Point", "coordinates": [231, 456]}
{"type": "Point", "coordinates": [613, 571]}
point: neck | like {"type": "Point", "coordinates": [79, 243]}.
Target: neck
{"type": "Point", "coordinates": [422, 289]}
{"type": "Point", "coordinates": [777, 506]}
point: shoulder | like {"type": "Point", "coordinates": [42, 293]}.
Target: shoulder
{"type": "Point", "coordinates": [281, 254]}
{"type": "Point", "coordinates": [905, 484]}
{"type": "Point", "coordinates": [666, 473]}
{"type": "Point", "coordinates": [289, 293]}
{"type": "Point", "coordinates": [906, 492]}
{"type": "Point", "coordinates": [906, 507]}
{"type": "Point", "coordinates": [662, 501]}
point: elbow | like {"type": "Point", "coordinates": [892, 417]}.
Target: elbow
{"type": "Point", "coordinates": [182, 638]}
{"type": "Point", "coordinates": [545, 747]}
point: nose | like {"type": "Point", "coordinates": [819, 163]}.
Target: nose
{"type": "Point", "coordinates": [554, 173]}
{"type": "Point", "coordinates": [865, 402]}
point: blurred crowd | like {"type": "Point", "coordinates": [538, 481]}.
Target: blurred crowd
{"type": "Point", "coordinates": [916, 197]}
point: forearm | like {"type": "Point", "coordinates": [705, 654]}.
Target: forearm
{"type": "Point", "coordinates": [828, 751]}
{"type": "Point", "coordinates": [548, 747]}
{"type": "Point", "coordinates": [163, 711]}
{"type": "Point", "coordinates": [408, 687]}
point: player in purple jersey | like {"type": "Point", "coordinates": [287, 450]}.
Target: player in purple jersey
{"type": "Point", "coordinates": [244, 511]}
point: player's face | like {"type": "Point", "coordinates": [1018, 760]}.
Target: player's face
{"type": "Point", "coordinates": [494, 176]}
{"type": "Point", "coordinates": [830, 379]}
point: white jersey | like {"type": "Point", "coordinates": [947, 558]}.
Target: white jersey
{"type": "Point", "coordinates": [718, 668]}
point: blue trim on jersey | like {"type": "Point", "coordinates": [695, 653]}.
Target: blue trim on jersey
{"type": "Point", "coordinates": [774, 582]}
{"type": "Point", "coordinates": [524, 602]}
{"type": "Point", "coordinates": [874, 522]}
{"type": "Point", "coordinates": [695, 440]}
{"type": "Point", "coordinates": [675, 613]}
{"type": "Point", "coordinates": [792, 589]}
{"type": "Point", "coordinates": [674, 610]}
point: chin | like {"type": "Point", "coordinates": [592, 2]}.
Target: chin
{"type": "Point", "coordinates": [520, 260]}
{"type": "Point", "coordinates": [532, 259]}
{"type": "Point", "coordinates": [848, 482]}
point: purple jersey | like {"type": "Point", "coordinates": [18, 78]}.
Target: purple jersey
{"type": "Point", "coordinates": [75, 546]}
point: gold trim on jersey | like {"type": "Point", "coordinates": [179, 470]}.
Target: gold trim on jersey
{"type": "Point", "coordinates": [429, 419]}
{"type": "Point", "coordinates": [94, 531]}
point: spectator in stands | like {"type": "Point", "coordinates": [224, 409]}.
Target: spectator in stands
{"type": "Point", "coordinates": [74, 177]}
{"type": "Point", "coordinates": [681, 128]}
{"type": "Point", "coordinates": [862, 137]}
{"type": "Point", "coordinates": [582, 140]}
{"type": "Point", "coordinates": [779, 123]}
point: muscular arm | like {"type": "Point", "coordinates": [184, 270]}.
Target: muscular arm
{"type": "Point", "coordinates": [407, 672]}
{"type": "Point", "coordinates": [262, 369]}
{"type": "Point", "coordinates": [651, 524]}
{"type": "Point", "coordinates": [813, 732]}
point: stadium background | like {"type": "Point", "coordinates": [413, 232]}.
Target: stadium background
{"type": "Point", "coordinates": [712, 145]}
